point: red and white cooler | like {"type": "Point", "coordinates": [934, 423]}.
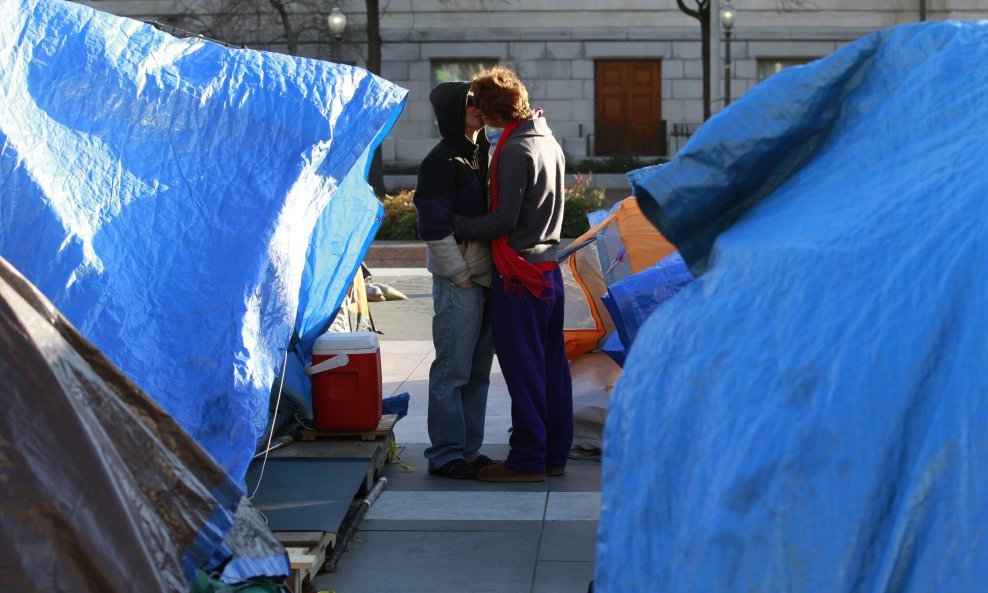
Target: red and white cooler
{"type": "Point", "coordinates": [346, 381]}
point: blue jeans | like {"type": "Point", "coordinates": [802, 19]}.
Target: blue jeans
{"type": "Point", "coordinates": [460, 375]}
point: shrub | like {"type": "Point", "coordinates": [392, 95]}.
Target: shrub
{"type": "Point", "coordinates": [581, 200]}
{"type": "Point", "coordinates": [400, 218]}
{"type": "Point", "coordinates": [613, 164]}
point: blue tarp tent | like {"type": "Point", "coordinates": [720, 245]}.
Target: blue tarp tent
{"type": "Point", "coordinates": [630, 301]}
{"type": "Point", "coordinates": [808, 414]}
{"type": "Point", "coordinates": [188, 207]}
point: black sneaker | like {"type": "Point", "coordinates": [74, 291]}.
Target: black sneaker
{"type": "Point", "coordinates": [457, 469]}
{"type": "Point", "coordinates": [481, 461]}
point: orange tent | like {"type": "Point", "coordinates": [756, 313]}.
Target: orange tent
{"type": "Point", "coordinates": [623, 243]}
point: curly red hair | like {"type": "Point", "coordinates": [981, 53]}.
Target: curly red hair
{"type": "Point", "coordinates": [500, 93]}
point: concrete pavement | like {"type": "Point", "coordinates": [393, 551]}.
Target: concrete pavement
{"type": "Point", "coordinates": [429, 534]}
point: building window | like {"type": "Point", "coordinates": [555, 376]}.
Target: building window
{"type": "Point", "coordinates": [769, 66]}
{"type": "Point", "coordinates": [452, 70]}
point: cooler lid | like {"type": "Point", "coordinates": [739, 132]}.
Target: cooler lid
{"type": "Point", "coordinates": [336, 342]}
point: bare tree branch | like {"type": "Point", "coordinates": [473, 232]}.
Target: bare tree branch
{"type": "Point", "coordinates": [290, 36]}
{"type": "Point", "coordinates": [682, 6]}
{"type": "Point", "coordinates": [255, 23]}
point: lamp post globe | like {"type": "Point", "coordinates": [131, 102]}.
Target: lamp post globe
{"type": "Point", "coordinates": [337, 24]}
{"type": "Point", "coordinates": [727, 14]}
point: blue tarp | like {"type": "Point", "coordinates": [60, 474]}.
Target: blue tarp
{"type": "Point", "coordinates": [187, 206]}
{"type": "Point", "coordinates": [630, 301]}
{"type": "Point", "coordinates": [808, 415]}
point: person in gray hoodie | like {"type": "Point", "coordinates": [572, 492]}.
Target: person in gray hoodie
{"type": "Point", "coordinates": [452, 181]}
{"type": "Point", "coordinates": [527, 292]}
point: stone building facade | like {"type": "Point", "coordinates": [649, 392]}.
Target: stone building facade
{"type": "Point", "coordinates": [615, 77]}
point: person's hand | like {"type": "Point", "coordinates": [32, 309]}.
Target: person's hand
{"type": "Point", "coordinates": [465, 284]}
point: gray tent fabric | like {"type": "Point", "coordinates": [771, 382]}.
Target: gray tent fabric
{"type": "Point", "coordinates": [102, 490]}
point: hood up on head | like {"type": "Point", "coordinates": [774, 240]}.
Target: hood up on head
{"type": "Point", "coordinates": [449, 101]}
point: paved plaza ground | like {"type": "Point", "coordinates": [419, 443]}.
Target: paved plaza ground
{"type": "Point", "coordinates": [427, 534]}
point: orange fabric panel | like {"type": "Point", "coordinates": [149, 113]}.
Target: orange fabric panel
{"type": "Point", "coordinates": [580, 341]}
{"type": "Point", "coordinates": [645, 245]}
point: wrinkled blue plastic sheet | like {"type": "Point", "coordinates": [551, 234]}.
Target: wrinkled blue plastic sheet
{"type": "Point", "coordinates": [187, 206]}
{"type": "Point", "coordinates": [631, 300]}
{"type": "Point", "coordinates": [808, 414]}
{"type": "Point", "coordinates": [614, 348]}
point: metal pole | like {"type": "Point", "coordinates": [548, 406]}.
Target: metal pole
{"type": "Point", "coordinates": [336, 49]}
{"type": "Point", "coordinates": [716, 67]}
{"type": "Point", "coordinates": [727, 68]}
{"type": "Point", "coordinates": [922, 10]}
{"type": "Point", "coordinates": [353, 518]}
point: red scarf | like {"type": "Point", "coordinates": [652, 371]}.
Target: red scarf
{"type": "Point", "coordinates": [518, 272]}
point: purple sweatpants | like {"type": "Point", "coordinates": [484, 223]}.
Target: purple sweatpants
{"type": "Point", "coordinates": [528, 339]}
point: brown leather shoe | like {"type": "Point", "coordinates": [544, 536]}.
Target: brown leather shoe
{"type": "Point", "coordinates": [556, 471]}
{"type": "Point", "coordinates": [499, 472]}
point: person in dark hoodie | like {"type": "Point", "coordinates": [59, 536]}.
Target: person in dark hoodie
{"type": "Point", "coordinates": [452, 181]}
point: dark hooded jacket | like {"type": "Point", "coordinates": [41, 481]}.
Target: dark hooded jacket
{"type": "Point", "coordinates": [452, 181]}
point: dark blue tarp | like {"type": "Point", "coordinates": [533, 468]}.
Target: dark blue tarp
{"type": "Point", "coordinates": [808, 415]}
{"type": "Point", "coordinates": [630, 301]}
{"type": "Point", "coordinates": [187, 206]}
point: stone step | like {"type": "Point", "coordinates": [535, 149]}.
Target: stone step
{"type": "Point", "coordinates": [395, 254]}
{"type": "Point", "coordinates": [614, 182]}
{"type": "Point", "coordinates": [405, 254]}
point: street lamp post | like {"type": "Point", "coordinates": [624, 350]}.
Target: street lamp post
{"type": "Point", "coordinates": [727, 14]}
{"type": "Point", "coordinates": [337, 24]}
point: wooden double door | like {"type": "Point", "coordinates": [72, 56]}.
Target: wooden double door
{"type": "Point", "coordinates": [628, 108]}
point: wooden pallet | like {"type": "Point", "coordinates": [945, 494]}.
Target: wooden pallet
{"type": "Point", "coordinates": [352, 449]}
{"type": "Point", "coordinates": [306, 554]}
{"type": "Point", "coordinates": [384, 430]}
{"type": "Point", "coordinates": [308, 550]}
